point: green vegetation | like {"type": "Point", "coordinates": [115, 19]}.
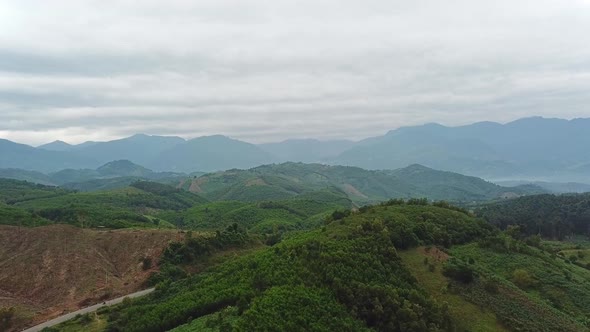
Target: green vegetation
{"type": "Point", "coordinates": [15, 191]}
{"type": "Point", "coordinates": [271, 219]}
{"type": "Point", "coordinates": [349, 276]}
{"type": "Point", "coordinates": [18, 217]}
{"type": "Point", "coordinates": [224, 320]}
{"type": "Point", "coordinates": [274, 182]}
{"type": "Point", "coordinates": [426, 265]}
{"type": "Point", "coordinates": [287, 247]}
{"type": "Point", "coordinates": [527, 288]}
{"type": "Point", "coordinates": [6, 317]}
{"type": "Point", "coordinates": [399, 266]}
{"type": "Point", "coordinates": [551, 216]}
{"type": "Point", "coordinates": [28, 204]}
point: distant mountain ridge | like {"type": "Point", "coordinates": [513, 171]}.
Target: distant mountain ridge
{"type": "Point", "coordinates": [530, 147]}
{"type": "Point", "coordinates": [160, 153]}
{"type": "Point", "coordinates": [115, 174]}
{"type": "Point", "coordinates": [533, 149]}
{"type": "Point", "coordinates": [211, 153]}
{"type": "Point", "coordinates": [307, 150]}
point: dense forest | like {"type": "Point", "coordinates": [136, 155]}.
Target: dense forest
{"type": "Point", "coordinates": [550, 216]}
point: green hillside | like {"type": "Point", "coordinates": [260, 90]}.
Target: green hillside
{"type": "Point", "coordinates": [31, 205]}
{"type": "Point", "coordinates": [101, 184]}
{"type": "Point", "coordinates": [551, 216]}
{"type": "Point", "coordinates": [15, 191]}
{"type": "Point", "coordinates": [24, 175]}
{"type": "Point", "coordinates": [394, 267]}
{"type": "Point", "coordinates": [269, 218]}
{"type": "Point", "coordinates": [361, 186]}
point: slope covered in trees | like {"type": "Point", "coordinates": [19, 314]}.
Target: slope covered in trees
{"type": "Point", "coordinates": [361, 186]}
{"type": "Point", "coordinates": [28, 204]}
{"type": "Point", "coordinates": [551, 216]}
{"type": "Point", "coordinates": [371, 270]}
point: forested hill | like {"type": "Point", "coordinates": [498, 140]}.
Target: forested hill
{"type": "Point", "coordinates": [362, 186]}
{"type": "Point", "coordinates": [551, 216]}
{"type": "Point", "coordinates": [27, 204]}
{"type": "Point", "coordinates": [395, 267]}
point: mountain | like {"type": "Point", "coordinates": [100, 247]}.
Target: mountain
{"type": "Point", "coordinates": [211, 153]}
{"type": "Point", "coordinates": [270, 182]}
{"type": "Point", "coordinates": [115, 174]}
{"type": "Point", "coordinates": [162, 153]}
{"type": "Point", "coordinates": [113, 169]}
{"type": "Point", "coordinates": [57, 146]}
{"type": "Point", "coordinates": [140, 149]}
{"type": "Point", "coordinates": [123, 168]}
{"type": "Point", "coordinates": [306, 150]}
{"type": "Point", "coordinates": [14, 155]}
{"type": "Point", "coordinates": [530, 147]}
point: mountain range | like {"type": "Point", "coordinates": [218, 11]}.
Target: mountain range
{"type": "Point", "coordinates": [527, 149]}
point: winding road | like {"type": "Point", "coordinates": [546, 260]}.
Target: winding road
{"type": "Point", "coordinates": [86, 310]}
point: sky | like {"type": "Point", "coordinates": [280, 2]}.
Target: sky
{"type": "Point", "coordinates": [265, 71]}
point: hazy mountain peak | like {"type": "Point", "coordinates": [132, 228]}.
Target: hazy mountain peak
{"type": "Point", "coordinates": [417, 167]}
{"type": "Point", "coordinates": [123, 168]}
{"type": "Point", "coordinates": [56, 146]}
{"type": "Point", "coordinates": [138, 136]}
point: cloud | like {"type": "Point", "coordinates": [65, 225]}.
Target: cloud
{"type": "Point", "coordinates": [269, 70]}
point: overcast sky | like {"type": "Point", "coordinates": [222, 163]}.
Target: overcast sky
{"type": "Point", "coordinates": [269, 70]}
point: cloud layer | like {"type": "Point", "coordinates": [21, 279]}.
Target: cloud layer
{"type": "Point", "coordinates": [269, 70]}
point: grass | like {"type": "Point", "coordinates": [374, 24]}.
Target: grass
{"type": "Point", "coordinates": [469, 317]}
{"type": "Point", "coordinates": [557, 288]}
{"type": "Point", "coordinates": [90, 322]}
{"type": "Point", "coordinates": [576, 250]}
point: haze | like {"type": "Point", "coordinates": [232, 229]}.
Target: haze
{"type": "Point", "coordinates": [265, 71]}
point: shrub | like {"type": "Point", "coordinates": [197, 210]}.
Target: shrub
{"type": "Point", "coordinates": [491, 287]}
{"type": "Point", "coordinates": [146, 263]}
{"type": "Point", "coordinates": [459, 271]}
{"type": "Point", "coordinates": [6, 315]}
{"type": "Point", "coordinates": [522, 278]}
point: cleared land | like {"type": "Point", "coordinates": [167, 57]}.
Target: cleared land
{"type": "Point", "coordinates": [68, 268]}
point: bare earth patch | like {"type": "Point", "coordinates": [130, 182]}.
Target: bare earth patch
{"type": "Point", "coordinates": [59, 268]}
{"type": "Point", "coordinates": [256, 182]}
{"type": "Point", "coordinates": [351, 190]}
